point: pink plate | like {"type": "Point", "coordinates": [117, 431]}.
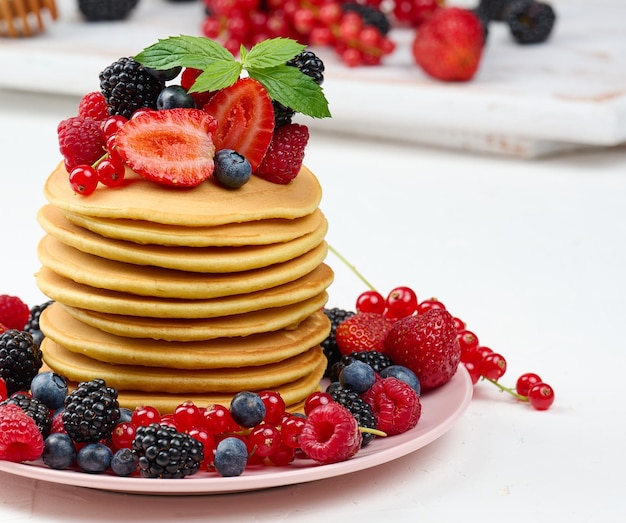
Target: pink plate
{"type": "Point", "coordinates": [441, 408]}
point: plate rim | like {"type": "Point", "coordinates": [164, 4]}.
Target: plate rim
{"type": "Point", "coordinates": [306, 471]}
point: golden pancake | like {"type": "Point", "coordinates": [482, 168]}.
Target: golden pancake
{"type": "Point", "coordinates": [204, 206]}
{"type": "Point", "coordinates": [195, 259]}
{"type": "Point", "coordinates": [155, 281]}
{"type": "Point", "coordinates": [293, 394]}
{"type": "Point", "coordinates": [82, 296]}
{"type": "Point", "coordinates": [260, 232]}
{"type": "Point", "coordinates": [253, 350]}
{"type": "Point", "coordinates": [78, 367]}
{"type": "Point", "coordinates": [234, 325]}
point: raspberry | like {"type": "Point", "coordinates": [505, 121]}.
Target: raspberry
{"type": "Point", "coordinates": [285, 153]}
{"type": "Point", "coordinates": [93, 106]}
{"type": "Point", "coordinates": [395, 404]}
{"type": "Point", "coordinates": [20, 438]}
{"type": "Point", "coordinates": [14, 312]}
{"type": "Point", "coordinates": [80, 141]}
{"type": "Point", "coordinates": [359, 408]}
{"type": "Point", "coordinates": [33, 408]}
{"type": "Point", "coordinates": [330, 434]}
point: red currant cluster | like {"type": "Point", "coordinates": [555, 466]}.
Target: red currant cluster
{"type": "Point", "coordinates": [356, 37]}
{"type": "Point", "coordinates": [480, 361]}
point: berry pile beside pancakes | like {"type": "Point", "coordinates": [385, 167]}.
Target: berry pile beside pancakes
{"type": "Point", "coordinates": [177, 291]}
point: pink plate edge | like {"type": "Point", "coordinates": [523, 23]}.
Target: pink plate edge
{"type": "Point", "coordinates": [441, 408]}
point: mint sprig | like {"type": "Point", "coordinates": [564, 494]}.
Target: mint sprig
{"type": "Point", "coordinates": [265, 62]}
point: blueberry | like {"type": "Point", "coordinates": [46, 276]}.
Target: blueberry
{"type": "Point", "coordinates": [58, 451]}
{"type": "Point", "coordinates": [403, 374]}
{"type": "Point", "coordinates": [232, 169]}
{"type": "Point", "coordinates": [247, 409]}
{"type": "Point", "coordinates": [124, 462]}
{"type": "Point", "coordinates": [357, 377]}
{"type": "Point", "coordinates": [165, 75]}
{"type": "Point", "coordinates": [125, 415]}
{"type": "Point", "coordinates": [50, 388]}
{"type": "Point", "coordinates": [231, 456]}
{"type": "Point", "coordinates": [94, 458]}
{"type": "Point", "coordinates": [174, 96]}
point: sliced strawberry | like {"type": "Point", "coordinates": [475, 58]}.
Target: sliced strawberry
{"type": "Point", "coordinates": [245, 119]}
{"type": "Point", "coordinates": [172, 147]}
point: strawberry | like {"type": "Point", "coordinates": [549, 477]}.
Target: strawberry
{"type": "Point", "coordinates": [245, 119]}
{"type": "Point", "coordinates": [285, 153]}
{"type": "Point", "coordinates": [449, 45]}
{"type": "Point", "coordinates": [171, 147]}
{"type": "Point", "coordinates": [364, 331]}
{"type": "Point", "coordinates": [427, 344]}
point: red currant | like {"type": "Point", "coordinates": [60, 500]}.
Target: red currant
{"type": "Point", "coordinates": [370, 301]}
{"type": "Point", "coordinates": [401, 302]}
{"type": "Point", "coordinates": [541, 396]}
{"type": "Point", "coordinates": [187, 416]}
{"type": "Point", "coordinates": [473, 370]}
{"type": "Point", "coordinates": [111, 172]}
{"type": "Point", "coordinates": [459, 323]}
{"type": "Point", "coordinates": [274, 406]}
{"type": "Point", "coordinates": [432, 303]}
{"type": "Point", "coordinates": [264, 440]}
{"type": "Point", "coordinates": [315, 400]}
{"type": "Point", "coordinates": [143, 416]}
{"type": "Point", "coordinates": [218, 420]}
{"type": "Point", "coordinates": [283, 455]}
{"type": "Point", "coordinates": [84, 179]}
{"type": "Point", "coordinates": [493, 366]}
{"type": "Point", "coordinates": [112, 124]}
{"type": "Point", "coordinates": [290, 429]}
{"type": "Point", "coordinates": [123, 435]}
{"type": "Point", "coordinates": [525, 382]}
{"type": "Point", "coordinates": [468, 342]}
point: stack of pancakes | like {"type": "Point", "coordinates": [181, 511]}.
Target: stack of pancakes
{"type": "Point", "coordinates": [186, 294]}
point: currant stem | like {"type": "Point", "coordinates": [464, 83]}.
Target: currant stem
{"type": "Point", "coordinates": [376, 432]}
{"type": "Point", "coordinates": [351, 267]}
{"type": "Point", "coordinates": [508, 389]}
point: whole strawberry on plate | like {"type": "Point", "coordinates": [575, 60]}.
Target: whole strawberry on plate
{"type": "Point", "coordinates": [449, 45]}
{"type": "Point", "coordinates": [428, 345]}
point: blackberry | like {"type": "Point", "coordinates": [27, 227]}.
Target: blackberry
{"type": "Point", "coordinates": [164, 452]}
{"type": "Point", "coordinates": [375, 359]}
{"type": "Point", "coordinates": [311, 65]}
{"type": "Point", "coordinates": [531, 24]}
{"type": "Point", "coordinates": [98, 10]}
{"type": "Point", "coordinates": [498, 9]}
{"type": "Point", "coordinates": [34, 408]}
{"type": "Point", "coordinates": [32, 325]}
{"type": "Point", "coordinates": [370, 16]}
{"type": "Point", "coordinates": [20, 360]}
{"type": "Point", "coordinates": [329, 345]}
{"type": "Point", "coordinates": [127, 86]}
{"type": "Point", "coordinates": [91, 411]}
{"type": "Point", "coordinates": [361, 410]}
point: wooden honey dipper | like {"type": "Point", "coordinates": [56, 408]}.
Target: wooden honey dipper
{"type": "Point", "coordinates": [23, 17]}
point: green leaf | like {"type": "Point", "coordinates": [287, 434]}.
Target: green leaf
{"type": "Point", "coordinates": [291, 87]}
{"type": "Point", "coordinates": [217, 76]}
{"type": "Point", "coordinates": [185, 51]}
{"type": "Point", "coordinates": [270, 53]}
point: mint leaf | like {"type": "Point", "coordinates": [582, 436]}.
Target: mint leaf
{"type": "Point", "coordinates": [217, 76]}
{"type": "Point", "coordinates": [270, 53]}
{"type": "Point", "coordinates": [291, 87]}
{"type": "Point", "coordinates": [186, 51]}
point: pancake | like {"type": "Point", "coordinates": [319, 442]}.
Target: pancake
{"type": "Point", "coordinates": [78, 367]}
{"type": "Point", "coordinates": [194, 259]}
{"type": "Point", "coordinates": [259, 232]}
{"type": "Point", "coordinates": [253, 350]}
{"type": "Point", "coordinates": [293, 394]}
{"type": "Point", "coordinates": [206, 205]}
{"type": "Point", "coordinates": [234, 325]}
{"type": "Point", "coordinates": [154, 281]}
{"type": "Point", "coordinates": [82, 296]}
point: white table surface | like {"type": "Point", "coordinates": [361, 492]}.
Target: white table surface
{"type": "Point", "coordinates": [531, 253]}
